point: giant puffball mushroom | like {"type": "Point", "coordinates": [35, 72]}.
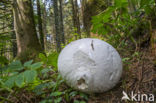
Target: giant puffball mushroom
{"type": "Point", "coordinates": [90, 65]}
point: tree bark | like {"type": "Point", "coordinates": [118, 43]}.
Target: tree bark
{"type": "Point", "coordinates": [61, 23]}
{"type": "Point", "coordinates": [76, 21]}
{"type": "Point", "coordinates": [13, 35]}
{"type": "Point", "coordinates": [24, 25]}
{"type": "Point", "coordinates": [45, 24]}
{"type": "Point", "coordinates": [91, 8]}
{"type": "Point", "coordinates": [14, 45]}
{"type": "Point", "coordinates": [57, 29]}
{"type": "Point", "coordinates": [40, 29]}
{"type": "Point", "coordinates": [86, 17]}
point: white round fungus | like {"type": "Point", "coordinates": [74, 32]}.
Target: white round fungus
{"type": "Point", "coordinates": [90, 65]}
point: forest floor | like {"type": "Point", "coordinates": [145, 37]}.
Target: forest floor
{"type": "Point", "coordinates": [139, 76]}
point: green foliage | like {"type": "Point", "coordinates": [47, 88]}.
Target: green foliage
{"type": "Point", "coordinates": [117, 22]}
{"type": "Point", "coordinates": [125, 59]}
{"type": "Point", "coordinates": [3, 60]}
{"type": "Point", "coordinates": [28, 63]}
{"type": "Point", "coordinates": [76, 101]}
{"type": "Point", "coordinates": [56, 94]}
{"type": "Point", "coordinates": [50, 59]}
{"type": "Point", "coordinates": [40, 79]}
{"type": "Point", "coordinates": [18, 75]}
{"type": "Point", "coordinates": [16, 65]}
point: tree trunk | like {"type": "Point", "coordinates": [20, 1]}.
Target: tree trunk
{"type": "Point", "coordinates": [24, 25]}
{"type": "Point", "coordinates": [91, 8]}
{"type": "Point", "coordinates": [61, 23]}
{"type": "Point", "coordinates": [45, 25]}
{"type": "Point", "coordinates": [14, 45]}
{"type": "Point", "coordinates": [76, 21]}
{"type": "Point", "coordinates": [40, 29]}
{"type": "Point", "coordinates": [86, 17]}
{"type": "Point", "coordinates": [57, 29]}
{"type": "Point", "coordinates": [13, 35]}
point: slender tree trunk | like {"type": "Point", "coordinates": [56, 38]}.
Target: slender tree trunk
{"type": "Point", "coordinates": [76, 21]}
{"type": "Point", "coordinates": [2, 48]}
{"type": "Point", "coordinates": [74, 15]}
{"type": "Point", "coordinates": [40, 24]}
{"type": "Point", "coordinates": [45, 25]}
{"type": "Point", "coordinates": [61, 23]}
{"type": "Point", "coordinates": [3, 23]}
{"type": "Point", "coordinates": [57, 29]}
{"type": "Point", "coordinates": [24, 25]}
{"type": "Point", "coordinates": [86, 17]}
{"type": "Point", "coordinates": [14, 44]}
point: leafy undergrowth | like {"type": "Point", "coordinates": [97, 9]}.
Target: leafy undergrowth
{"type": "Point", "coordinates": [36, 83]}
{"type": "Point", "coordinates": [40, 82]}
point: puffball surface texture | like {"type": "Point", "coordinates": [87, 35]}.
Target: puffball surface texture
{"type": "Point", "coordinates": [90, 65]}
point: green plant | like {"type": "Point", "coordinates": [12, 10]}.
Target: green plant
{"type": "Point", "coordinates": [50, 59]}
{"type": "Point", "coordinates": [3, 61]}
{"type": "Point", "coordinates": [117, 22]}
{"type": "Point", "coordinates": [40, 78]}
{"type": "Point", "coordinates": [18, 75]}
